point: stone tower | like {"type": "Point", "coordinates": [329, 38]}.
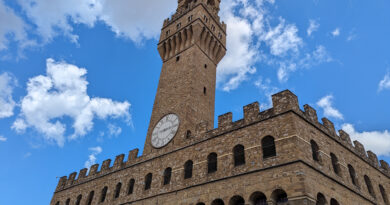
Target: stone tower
{"type": "Point", "coordinates": [191, 45]}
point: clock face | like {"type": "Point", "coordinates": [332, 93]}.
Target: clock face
{"type": "Point", "coordinates": [165, 130]}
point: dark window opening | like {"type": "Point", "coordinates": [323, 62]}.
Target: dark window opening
{"type": "Point", "coordinates": [369, 186]}
{"type": "Point", "coordinates": [58, 203]}
{"type": "Point", "coordinates": [321, 199]}
{"type": "Point", "coordinates": [335, 164]}
{"type": "Point", "coordinates": [148, 181]}
{"type": "Point", "coordinates": [78, 201]}
{"type": "Point", "coordinates": [131, 186]}
{"type": "Point", "coordinates": [204, 91]}
{"type": "Point", "coordinates": [178, 25]}
{"type": "Point", "coordinates": [239, 155]}
{"type": "Point", "coordinates": [188, 134]}
{"type": "Point", "coordinates": [258, 198]}
{"type": "Point", "coordinates": [90, 197]}
{"type": "Point", "coordinates": [237, 200]}
{"type": "Point", "coordinates": [104, 194]}
{"type": "Point", "coordinates": [188, 169]}
{"type": "Point", "coordinates": [212, 163]}
{"type": "Point", "coordinates": [167, 176]}
{"type": "Point", "coordinates": [334, 202]}
{"type": "Point", "coordinates": [118, 190]}
{"type": "Point", "coordinates": [279, 196]}
{"type": "Point", "coordinates": [384, 194]}
{"type": "Point", "coordinates": [268, 144]}
{"type": "Point", "coordinates": [352, 174]}
{"type": "Point", "coordinates": [218, 202]}
{"type": "Point", "coordinates": [200, 203]}
{"type": "Point", "coordinates": [205, 65]}
{"type": "Point", "coordinates": [67, 202]}
{"type": "Point", "coordinates": [177, 58]}
{"type": "Point", "coordinates": [315, 151]}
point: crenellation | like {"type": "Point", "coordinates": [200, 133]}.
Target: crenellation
{"type": "Point", "coordinates": [359, 148]}
{"type": "Point", "coordinates": [345, 137]}
{"type": "Point", "coordinates": [372, 158]}
{"type": "Point", "coordinates": [93, 170]}
{"type": "Point", "coordinates": [133, 155]}
{"type": "Point", "coordinates": [71, 179]}
{"type": "Point", "coordinates": [225, 120]}
{"type": "Point", "coordinates": [62, 183]}
{"type": "Point", "coordinates": [251, 112]}
{"type": "Point", "coordinates": [285, 101]}
{"type": "Point", "coordinates": [385, 166]}
{"type": "Point", "coordinates": [82, 174]}
{"type": "Point", "coordinates": [329, 126]}
{"type": "Point", "coordinates": [119, 161]}
{"type": "Point", "coordinates": [106, 165]}
{"type": "Point", "coordinates": [311, 113]}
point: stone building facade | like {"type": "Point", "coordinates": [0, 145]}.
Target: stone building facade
{"type": "Point", "coordinates": [282, 155]}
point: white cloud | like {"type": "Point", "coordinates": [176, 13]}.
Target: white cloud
{"type": "Point", "coordinates": [2, 139]}
{"type": "Point", "coordinates": [336, 32]}
{"type": "Point", "coordinates": [114, 130]}
{"type": "Point", "coordinates": [313, 27]}
{"type": "Point", "coordinates": [7, 104]}
{"type": "Point", "coordinates": [377, 141]}
{"type": "Point", "coordinates": [326, 103]}
{"type": "Point", "coordinates": [385, 83]}
{"type": "Point", "coordinates": [62, 93]}
{"type": "Point", "coordinates": [265, 87]}
{"type": "Point", "coordinates": [92, 157]}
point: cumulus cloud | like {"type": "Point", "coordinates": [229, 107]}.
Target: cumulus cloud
{"type": "Point", "coordinates": [385, 83]}
{"type": "Point", "coordinates": [93, 156]}
{"type": "Point", "coordinates": [336, 32]}
{"type": "Point", "coordinates": [2, 139]}
{"type": "Point", "coordinates": [62, 93]}
{"type": "Point", "coordinates": [377, 141]}
{"type": "Point", "coordinates": [313, 27]}
{"type": "Point", "coordinates": [7, 104]}
{"type": "Point", "coordinates": [114, 130]}
{"type": "Point", "coordinates": [326, 103]}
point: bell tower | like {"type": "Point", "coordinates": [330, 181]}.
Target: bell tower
{"type": "Point", "coordinates": [192, 43]}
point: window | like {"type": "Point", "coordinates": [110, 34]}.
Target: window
{"type": "Point", "coordinates": [352, 174]}
{"type": "Point", "coordinates": [190, 18]}
{"type": "Point", "coordinates": [237, 200]}
{"type": "Point", "coordinates": [118, 190]}
{"type": "Point", "coordinates": [204, 91]}
{"type": "Point", "coordinates": [268, 144]}
{"type": "Point", "coordinates": [104, 194]}
{"type": "Point", "coordinates": [167, 175]}
{"type": "Point", "coordinates": [67, 202]}
{"type": "Point", "coordinates": [218, 202]}
{"type": "Point", "coordinates": [200, 203]}
{"type": "Point", "coordinates": [384, 194]}
{"type": "Point", "coordinates": [315, 151]}
{"type": "Point", "coordinates": [212, 163]}
{"type": "Point", "coordinates": [90, 197]}
{"type": "Point", "coordinates": [334, 202]}
{"type": "Point", "coordinates": [178, 26]}
{"type": "Point", "coordinates": [78, 201]}
{"type": "Point", "coordinates": [177, 58]}
{"type": "Point", "coordinates": [130, 190]}
{"type": "Point", "coordinates": [148, 181]}
{"type": "Point", "coordinates": [279, 196]}
{"type": "Point", "coordinates": [205, 65]}
{"type": "Point", "coordinates": [188, 134]}
{"type": "Point", "coordinates": [239, 155]}
{"type": "Point", "coordinates": [58, 203]}
{"type": "Point", "coordinates": [321, 199]}
{"type": "Point", "coordinates": [258, 198]}
{"type": "Point", "coordinates": [335, 164]}
{"type": "Point", "coordinates": [188, 169]}
{"type": "Point", "coordinates": [369, 185]}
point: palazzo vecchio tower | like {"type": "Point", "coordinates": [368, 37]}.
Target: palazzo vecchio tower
{"type": "Point", "coordinates": [279, 156]}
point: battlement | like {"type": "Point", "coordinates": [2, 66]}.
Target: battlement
{"type": "Point", "coordinates": [283, 102]}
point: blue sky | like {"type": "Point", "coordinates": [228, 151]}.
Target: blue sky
{"type": "Point", "coordinates": [77, 84]}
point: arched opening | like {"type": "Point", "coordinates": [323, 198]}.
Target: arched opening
{"type": "Point", "coordinates": [58, 203]}
{"type": "Point", "coordinates": [279, 196]}
{"type": "Point", "coordinates": [334, 202]}
{"type": "Point", "coordinates": [237, 200]}
{"type": "Point", "coordinates": [210, 2]}
{"type": "Point", "coordinates": [188, 166]}
{"type": "Point", "coordinates": [118, 190]}
{"type": "Point", "coordinates": [335, 163]}
{"type": "Point", "coordinates": [321, 200]}
{"type": "Point", "coordinates": [315, 151]}
{"type": "Point", "coordinates": [167, 176]}
{"type": "Point", "coordinates": [239, 155]}
{"type": "Point", "coordinates": [78, 200]}
{"type": "Point", "coordinates": [212, 163]}
{"type": "Point", "coordinates": [369, 185]}
{"type": "Point", "coordinates": [90, 197]}
{"type": "Point", "coordinates": [148, 181]}
{"type": "Point", "coordinates": [218, 202]}
{"type": "Point", "coordinates": [258, 198]}
{"type": "Point", "coordinates": [104, 194]}
{"type": "Point", "coordinates": [384, 195]}
{"type": "Point", "coordinates": [188, 134]}
{"type": "Point", "coordinates": [200, 203]}
{"type": "Point", "coordinates": [352, 174]}
{"type": "Point", "coordinates": [67, 202]}
{"type": "Point", "coordinates": [268, 144]}
{"type": "Point", "coordinates": [130, 189]}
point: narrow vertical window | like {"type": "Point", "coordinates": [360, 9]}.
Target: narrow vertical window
{"type": "Point", "coordinates": [384, 194]}
{"type": "Point", "coordinates": [148, 181]}
{"type": "Point", "coordinates": [369, 186]}
{"type": "Point", "coordinates": [204, 91]}
{"type": "Point", "coordinates": [104, 194]}
{"type": "Point", "coordinates": [67, 202]}
{"type": "Point", "coordinates": [188, 134]}
{"type": "Point", "coordinates": [90, 197]}
{"type": "Point", "coordinates": [177, 58]}
{"type": "Point", "coordinates": [130, 190]}
{"type": "Point", "coordinates": [352, 174]}
{"type": "Point", "coordinates": [188, 166]}
{"type": "Point", "coordinates": [335, 164]}
{"type": "Point", "coordinates": [239, 155]}
{"type": "Point", "coordinates": [78, 200]}
{"type": "Point", "coordinates": [212, 163]}
{"type": "Point", "coordinates": [118, 190]}
{"type": "Point", "coordinates": [268, 144]}
{"type": "Point", "coordinates": [167, 176]}
{"type": "Point", "coordinates": [315, 151]}
{"type": "Point", "coordinates": [205, 65]}
{"type": "Point", "coordinates": [58, 203]}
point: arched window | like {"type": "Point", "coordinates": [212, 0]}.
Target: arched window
{"type": "Point", "coordinates": [130, 190]}
{"type": "Point", "coordinates": [200, 203]}
{"type": "Point", "coordinates": [239, 155]}
{"type": "Point", "coordinates": [90, 197]}
{"type": "Point", "coordinates": [237, 200]}
{"type": "Point", "coordinates": [148, 181]}
{"type": "Point", "coordinates": [118, 190]}
{"type": "Point", "coordinates": [321, 199]}
{"type": "Point", "coordinates": [384, 195]}
{"type": "Point", "coordinates": [334, 202]}
{"type": "Point", "coordinates": [279, 196]}
{"type": "Point", "coordinates": [212, 163]}
{"type": "Point", "coordinates": [335, 164]}
{"type": "Point", "coordinates": [67, 202]}
{"type": "Point", "coordinates": [369, 185]}
{"type": "Point", "coordinates": [167, 175]}
{"type": "Point", "coordinates": [188, 169]}
{"type": "Point", "coordinates": [268, 144]}
{"type": "Point", "coordinates": [188, 134]}
{"type": "Point", "coordinates": [78, 200]}
{"type": "Point", "coordinates": [315, 151]}
{"type": "Point", "coordinates": [58, 203]}
{"type": "Point", "coordinates": [218, 202]}
{"type": "Point", "coordinates": [258, 198]}
{"type": "Point", "coordinates": [352, 174]}
{"type": "Point", "coordinates": [104, 194]}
